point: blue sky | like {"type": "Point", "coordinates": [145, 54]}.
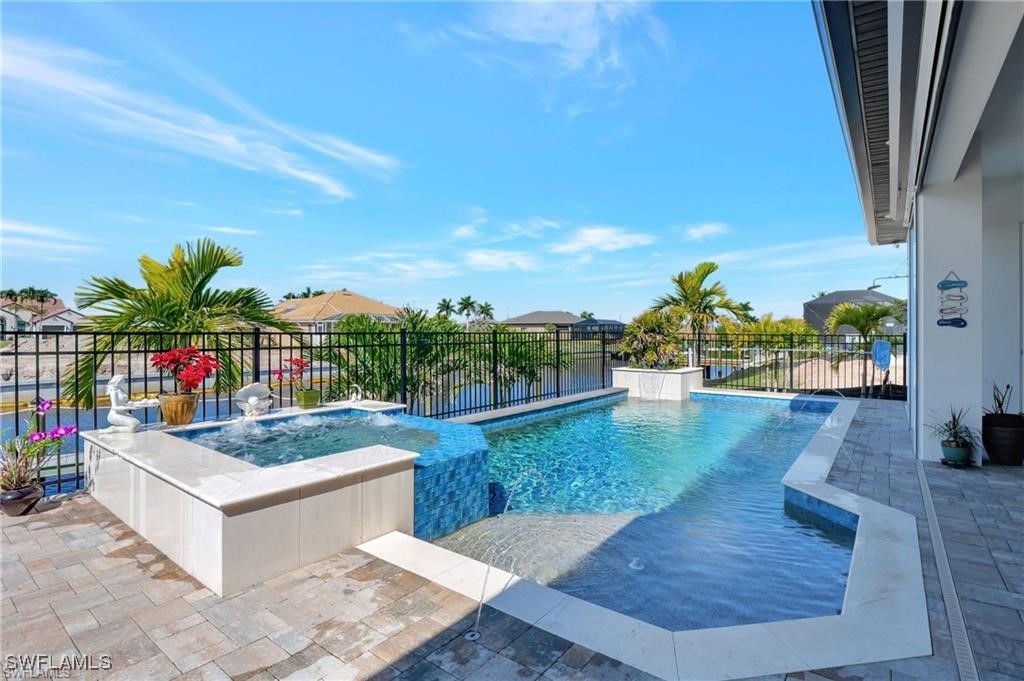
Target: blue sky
{"type": "Point", "coordinates": [534, 156]}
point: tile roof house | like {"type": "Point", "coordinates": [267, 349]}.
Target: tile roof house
{"type": "Point", "coordinates": [27, 316]}
{"type": "Point", "coordinates": [543, 320]}
{"type": "Point", "coordinates": [320, 313]}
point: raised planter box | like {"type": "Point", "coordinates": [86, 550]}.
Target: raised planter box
{"type": "Point", "coordinates": [659, 384]}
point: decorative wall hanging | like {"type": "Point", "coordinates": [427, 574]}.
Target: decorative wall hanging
{"type": "Point", "coordinates": [952, 301]}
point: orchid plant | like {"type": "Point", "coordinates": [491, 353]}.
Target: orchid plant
{"type": "Point", "coordinates": [188, 365]}
{"type": "Point", "coordinates": [293, 371]}
{"type": "Point", "coordinates": [22, 457]}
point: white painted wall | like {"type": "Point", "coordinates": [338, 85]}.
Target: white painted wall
{"type": "Point", "coordinates": [950, 366]}
{"type": "Point", "coordinates": [1002, 214]}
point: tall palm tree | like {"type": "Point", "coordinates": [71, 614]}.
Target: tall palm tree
{"type": "Point", "coordinates": [586, 314]}
{"type": "Point", "coordinates": [867, 319]}
{"type": "Point", "coordinates": [466, 307]}
{"type": "Point", "coordinates": [445, 308]}
{"type": "Point", "coordinates": [308, 293]}
{"type": "Point", "coordinates": [485, 311]}
{"type": "Point", "coordinates": [177, 299]}
{"type": "Point", "coordinates": [39, 296]}
{"type": "Point", "coordinates": [821, 294]}
{"type": "Point", "coordinates": [9, 294]}
{"type": "Point", "coordinates": [698, 304]}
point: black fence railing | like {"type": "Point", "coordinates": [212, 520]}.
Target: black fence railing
{"type": "Point", "coordinates": [438, 375]}
{"type": "Point", "coordinates": [817, 364]}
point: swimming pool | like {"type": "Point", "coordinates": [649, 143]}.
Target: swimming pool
{"type": "Point", "coordinates": [671, 513]}
{"type": "Point", "coordinates": [274, 442]}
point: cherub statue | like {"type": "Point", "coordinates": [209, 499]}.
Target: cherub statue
{"type": "Point", "coordinates": [119, 416]}
{"type": "Point", "coordinates": [254, 399]}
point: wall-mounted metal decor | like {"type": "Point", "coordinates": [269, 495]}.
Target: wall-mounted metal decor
{"type": "Point", "coordinates": [952, 301]}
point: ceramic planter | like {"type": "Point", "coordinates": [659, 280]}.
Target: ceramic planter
{"type": "Point", "coordinates": [1003, 436]}
{"type": "Point", "coordinates": [179, 410]}
{"type": "Point", "coordinates": [20, 501]}
{"type": "Point", "coordinates": [955, 453]}
{"type": "Point", "coordinates": [307, 399]}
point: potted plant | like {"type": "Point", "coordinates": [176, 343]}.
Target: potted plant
{"type": "Point", "coordinates": [294, 370]}
{"type": "Point", "coordinates": [22, 459]}
{"type": "Point", "coordinates": [956, 437]}
{"type": "Point", "coordinates": [190, 368]}
{"type": "Point", "coordinates": [1003, 433]}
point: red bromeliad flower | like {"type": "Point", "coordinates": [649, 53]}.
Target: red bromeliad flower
{"type": "Point", "coordinates": [188, 365]}
{"type": "Point", "coordinates": [293, 370]}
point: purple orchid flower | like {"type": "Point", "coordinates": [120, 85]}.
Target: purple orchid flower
{"type": "Point", "coordinates": [36, 437]}
{"type": "Point", "coordinates": [43, 406]}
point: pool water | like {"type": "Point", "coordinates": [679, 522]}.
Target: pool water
{"type": "Point", "coordinates": [273, 442]}
{"type": "Point", "coordinates": [670, 513]}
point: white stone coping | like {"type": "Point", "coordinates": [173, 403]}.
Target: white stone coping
{"type": "Point", "coordinates": [531, 407]}
{"type": "Point", "coordinates": [236, 486]}
{"type": "Point", "coordinates": [884, 613]}
{"type": "Point", "coordinates": [642, 370]}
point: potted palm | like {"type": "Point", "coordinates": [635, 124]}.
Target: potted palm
{"type": "Point", "coordinates": [190, 368]}
{"type": "Point", "coordinates": [956, 438]}
{"type": "Point", "coordinates": [22, 459]}
{"type": "Point", "coordinates": [293, 371]}
{"type": "Point", "coordinates": [1003, 433]}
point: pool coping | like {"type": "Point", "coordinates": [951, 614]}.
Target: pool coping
{"type": "Point", "coordinates": [234, 486]}
{"type": "Point", "coordinates": [484, 418]}
{"type": "Point", "coordinates": [884, 614]}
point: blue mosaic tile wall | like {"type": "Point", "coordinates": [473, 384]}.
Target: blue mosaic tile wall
{"type": "Point", "coordinates": [450, 480]}
{"type": "Point", "coordinates": [822, 509]}
{"type": "Point", "coordinates": [797, 403]}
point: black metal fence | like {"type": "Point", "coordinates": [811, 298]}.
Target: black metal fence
{"type": "Point", "coordinates": [818, 364]}
{"type": "Point", "coordinates": [437, 375]}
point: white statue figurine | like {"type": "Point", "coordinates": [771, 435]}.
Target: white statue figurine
{"type": "Point", "coordinates": [253, 400]}
{"type": "Point", "coordinates": [119, 416]}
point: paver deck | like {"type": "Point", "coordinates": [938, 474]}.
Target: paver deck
{"type": "Point", "coordinates": [77, 581]}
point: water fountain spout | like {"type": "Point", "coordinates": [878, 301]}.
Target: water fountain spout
{"type": "Point", "coordinates": [355, 393]}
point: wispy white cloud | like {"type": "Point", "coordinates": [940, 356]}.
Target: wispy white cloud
{"type": "Point", "coordinates": [233, 231]}
{"type": "Point", "coordinates": [41, 242]}
{"type": "Point", "coordinates": [602, 238]}
{"type": "Point", "coordinates": [490, 260]}
{"type": "Point", "coordinates": [290, 212]}
{"type": "Point", "coordinates": [799, 254]}
{"type": "Point", "coordinates": [67, 81]}
{"type": "Point", "coordinates": [705, 230]}
{"type": "Point", "coordinates": [186, 204]}
{"type": "Point", "coordinates": [467, 231]}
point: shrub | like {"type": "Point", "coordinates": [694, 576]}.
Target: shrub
{"type": "Point", "coordinates": [652, 341]}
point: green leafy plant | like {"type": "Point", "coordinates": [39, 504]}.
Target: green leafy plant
{"type": "Point", "coordinates": [955, 430]}
{"type": "Point", "coordinates": [176, 299]}
{"type": "Point", "coordinates": [698, 304]}
{"type": "Point", "coordinates": [653, 341]}
{"type": "Point", "coordinates": [23, 457]}
{"type": "Point", "coordinates": [1000, 398]}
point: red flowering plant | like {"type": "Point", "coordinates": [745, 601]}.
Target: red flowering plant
{"type": "Point", "coordinates": [293, 371]}
{"type": "Point", "coordinates": [189, 366]}
{"type": "Point", "coordinates": [23, 457]}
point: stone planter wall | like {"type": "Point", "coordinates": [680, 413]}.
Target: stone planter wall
{"type": "Point", "coordinates": [657, 384]}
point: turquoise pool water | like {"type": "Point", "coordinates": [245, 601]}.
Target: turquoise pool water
{"type": "Point", "coordinates": [670, 513]}
{"type": "Point", "coordinates": [273, 442]}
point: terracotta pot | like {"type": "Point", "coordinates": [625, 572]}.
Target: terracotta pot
{"type": "Point", "coordinates": [307, 399]}
{"type": "Point", "coordinates": [179, 410]}
{"type": "Point", "coordinates": [21, 501]}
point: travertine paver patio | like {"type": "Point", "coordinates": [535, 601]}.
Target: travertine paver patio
{"type": "Point", "coordinates": [76, 580]}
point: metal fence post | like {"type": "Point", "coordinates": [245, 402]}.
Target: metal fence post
{"type": "Point", "coordinates": [604, 368]}
{"type": "Point", "coordinates": [558, 364]}
{"type": "Point", "coordinates": [792, 347]}
{"type": "Point", "coordinates": [906, 381]}
{"type": "Point", "coordinates": [494, 369]}
{"type": "Point", "coordinates": [405, 366]}
{"type": "Point", "coordinates": [256, 368]}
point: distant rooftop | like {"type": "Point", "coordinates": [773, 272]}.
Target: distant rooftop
{"type": "Point", "coordinates": [556, 317]}
{"type": "Point", "coordinates": [855, 296]}
{"type": "Point", "coordinates": [332, 305]}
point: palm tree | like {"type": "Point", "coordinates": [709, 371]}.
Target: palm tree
{"type": "Point", "coordinates": [867, 319]}
{"type": "Point", "coordinates": [308, 293]}
{"type": "Point", "coordinates": [587, 314]}
{"type": "Point", "coordinates": [10, 295]}
{"type": "Point", "coordinates": [821, 294]}
{"type": "Point", "coordinates": [176, 299]}
{"type": "Point", "coordinates": [445, 308]}
{"type": "Point", "coordinates": [698, 304]}
{"type": "Point", "coordinates": [39, 296]}
{"type": "Point", "coordinates": [485, 311]}
{"type": "Point", "coordinates": [467, 307]}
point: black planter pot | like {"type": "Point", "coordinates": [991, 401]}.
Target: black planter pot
{"type": "Point", "coordinates": [1003, 436]}
{"type": "Point", "coordinates": [15, 502]}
